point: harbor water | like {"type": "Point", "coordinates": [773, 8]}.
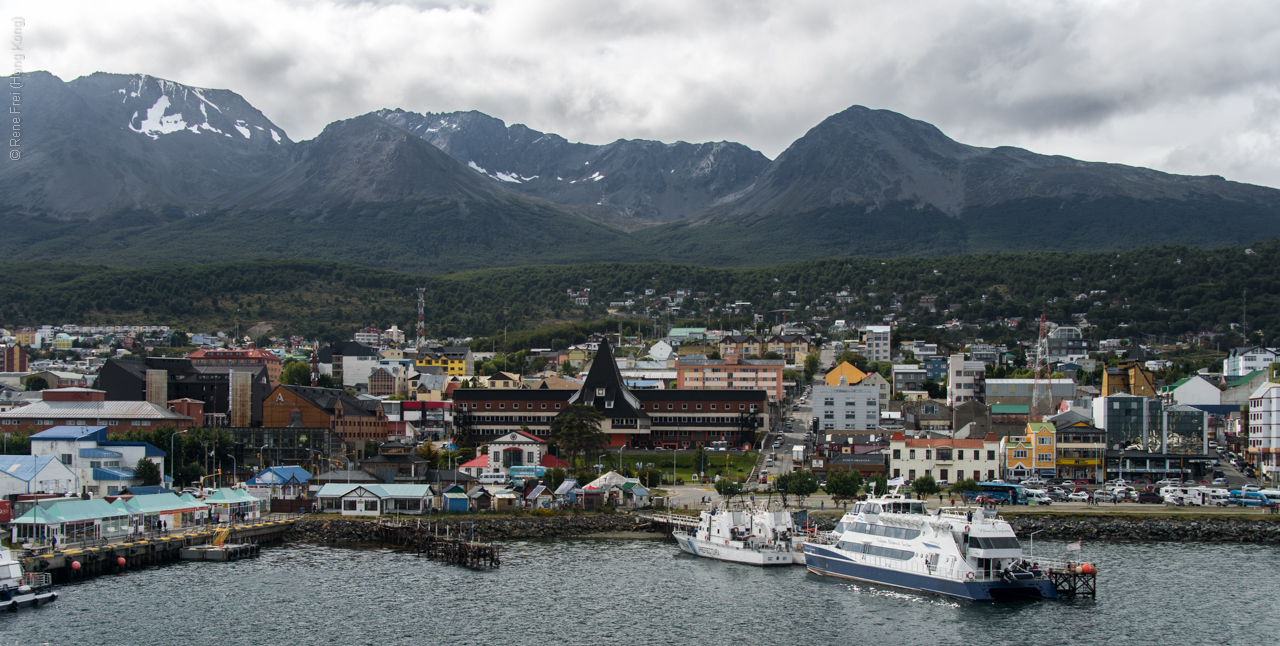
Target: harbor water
{"type": "Point", "coordinates": [601, 591]}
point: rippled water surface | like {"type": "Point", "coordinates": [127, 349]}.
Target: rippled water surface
{"type": "Point", "coordinates": [645, 592]}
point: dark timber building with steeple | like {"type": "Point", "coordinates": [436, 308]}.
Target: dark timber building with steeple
{"type": "Point", "coordinates": [651, 419]}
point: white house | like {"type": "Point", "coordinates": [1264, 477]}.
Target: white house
{"type": "Point", "coordinates": [946, 459]}
{"type": "Point", "coordinates": [846, 408]}
{"type": "Point", "coordinates": [966, 380]}
{"type": "Point", "coordinates": [1242, 361]}
{"type": "Point", "coordinates": [102, 467]}
{"type": "Point", "coordinates": [21, 474]}
{"type": "Point", "coordinates": [661, 351]}
{"type": "Point", "coordinates": [374, 499]}
{"type": "Point", "coordinates": [1264, 428]}
{"type": "Point", "coordinates": [1194, 391]}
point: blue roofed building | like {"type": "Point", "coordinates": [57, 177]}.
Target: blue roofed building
{"type": "Point", "coordinates": [279, 482]}
{"type": "Point", "coordinates": [21, 474]}
{"type": "Point", "coordinates": [102, 467]}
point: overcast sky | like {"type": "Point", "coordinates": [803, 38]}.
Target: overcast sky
{"type": "Point", "coordinates": [1187, 87]}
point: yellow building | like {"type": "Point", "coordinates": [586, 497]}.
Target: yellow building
{"type": "Point", "coordinates": [851, 375]}
{"type": "Point", "coordinates": [1031, 454]}
{"type": "Point", "coordinates": [1129, 378]}
{"type": "Point", "coordinates": [454, 361]}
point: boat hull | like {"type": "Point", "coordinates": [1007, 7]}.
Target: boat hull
{"type": "Point", "coordinates": [28, 600]}
{"type": "Point", "coordinates": [721, 552]}
{"type": "Point", "coordinates": [825, 561]}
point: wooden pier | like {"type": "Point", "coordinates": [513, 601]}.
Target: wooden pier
{"type": "Point", "coordinates": [1072, 582]}
{"type": "Point", "coordinates": [424, 539]}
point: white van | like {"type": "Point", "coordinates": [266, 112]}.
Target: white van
{"type": "Point", "coordinates": [493, 478]}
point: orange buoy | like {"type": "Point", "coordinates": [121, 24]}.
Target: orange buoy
{"type": "Point", "coordinates": [120, 561]}
{"type": "Point", "coordinates": [1088, 569]}
{"type": "Point", "coordinates": [75, 566]}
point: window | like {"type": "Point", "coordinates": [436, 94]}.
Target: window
{"type": "Point", "coordinates": [557, 406]}
{"type": "Point", "coordinates": [1044, 457]}
{"type": "Point", "coordinates": [544, 407]}
{"type": "Point", "coordinates": [66, 459]}
{"type": "Point", "coordinates": [911, 475]}
{"type": "Point", "coordinates": [871, 414]}
{"type": "Point", "coordinates": [928, 454]}
{"type": "Point", "coordinates": [529, 406]}
{"type": "Point", "coordinates": [349, 505]}
{"type": "Point", "coordinates": [488, 405]}
{"type": "Point", "coordinates": [944, 455]}
{"type": "Point", "coordinates": [670, 406]}
{"type": "Point", "coordinates": [960, 454]}
{"type": "Point", "coordinates": [828, 415]}
{"type": "Point", "coordinates": [599, 392]}
{"type": "Point", "coordinates": [684, 407]}
{"type": "Point", "coordinates": [897, 474]}
{"type": "Point", "coordinates": [942, 474]}
{"type": "Point", "coordinates": [1019, 453]}
{"type": "Point", "coordinates": [897, 454]}
{"type": "Point", "coordinates": [991, 455]}
{"type": "Point", "coordinates": [850, 415]}
{"type": "Point", "coordinates": [699, 406]}
{"type": "Point", "coordinates": [1046, 441]}
{"type": "Point", "coordinates": [713, 407]}
{"type": "Point", "coordinates": [871, 402]}
{"type": "Point", "coordinates": [502, 406]}
{"type": "Point", "coordinates": [911, 454]}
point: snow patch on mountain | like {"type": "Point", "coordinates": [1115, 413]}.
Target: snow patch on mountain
{"type": "Point", "coordinates": [157, 123]}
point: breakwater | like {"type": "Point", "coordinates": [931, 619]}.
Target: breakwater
{"type": "Point", "coordinates": [1210, 529]}
{"type": "Point", "coordinates": [472, 528]}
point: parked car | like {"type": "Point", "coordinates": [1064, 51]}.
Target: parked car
{"type": "Point", "coordinates": [1150, 496]}
{"type": "Point", "coordinates": [1252, 487]}
{"type": "Point", "coordinates": [1079, 489]}
{"type": "Point", "coordinates": [1079, 496]}
{"type": "Point", "coordinates": [1058, 496]}
{"type": "Point", "coordinates": [1166, 482]}
{"type": "Point", "coordinates": [1103, 496]}
{"type": "Point", "coordinates": [1082, 481]}
{"type": "Point", "coordinates": [1220, 481]}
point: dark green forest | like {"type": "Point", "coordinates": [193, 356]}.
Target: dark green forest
{"type": "Point", "coordinates": [1155, 291]}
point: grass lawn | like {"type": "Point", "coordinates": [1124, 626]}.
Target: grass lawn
{"type": "Point", "coordinates": [716, 463]}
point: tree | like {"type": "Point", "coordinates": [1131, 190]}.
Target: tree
{"type": "Point", "coordinates": [650, 477]}
{"type": "Point", "coordinates": [36, 382]}
{"type": "Point", "coordinates": [699, 458]}
{"type": "Point", "coordinates": [430, 453]}
{"type": "Point", "coordinates": [326, 381]}
{"type": "Point", "coordinates": [774, 356]}
{"type": "Point", "coordinates": [147, 471]}
{"type": "Point", "coordinates": [555, 477]}
{"type": "Point", "coordinates": [800, 484]}
{"type": "Point", "coordinates": [296, 373]}
{"type": "Point", "coordinates": [844, 485]}
{"type": "Point", "coordinates": [965, 485]}
{"type": "Point", "coordinates": [371, 448]}
{"type": "Point", "coordinates": [714, 355]}
{"type": "Point", "coordinates": [925, 485]}
{"type": "Point", "coordinates": [577, 431]}
{"type": "Point", "coordinates": [811, 362]}
{"type": "Point", "coordinates": [728, 488]}
{"type": "Point", "coordinates": [877, 486]}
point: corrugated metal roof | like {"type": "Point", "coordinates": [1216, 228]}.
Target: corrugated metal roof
{"type": "Point", "coordinates": [401, 490]}
{"type": "Point", "coordinates": [336, 490]}
{"type": "Point", "coordinates": [227, 495]}
{"type": "Point", "coordinates": [67, 511]}
{"type": "Point", "coordinates": [63, 432]}
{"type": "Point", "coordinates": [97, 410]}
{"type": "Point", "coordinates": [1010, 409]}
{"type": "Point", "coordinates": [24, 467]}
{"type": "Point", "coordinates": [280, 475]}
{"type": "Point", "coordinates": [157, 503]}
{"type": "Point", "coordinates": [151, 450]}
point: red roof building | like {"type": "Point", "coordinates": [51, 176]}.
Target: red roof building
{"type": "Point", "coordinates": [248, 357]}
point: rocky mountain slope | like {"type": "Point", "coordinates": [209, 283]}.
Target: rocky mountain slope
{"type": "Point", "coordinates": [628, 183]}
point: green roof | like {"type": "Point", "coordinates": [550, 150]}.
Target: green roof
{"type": "Point", "coordinates": [68, 511]}
{"type": "Point", "coordinates": [1010, 409]}
{"type": "Point", "coordinates": [227, 495]}
{"type": "Point", "coordinates": [1244, 379]}
{"type": "Point", "coordinates": [155, 504]}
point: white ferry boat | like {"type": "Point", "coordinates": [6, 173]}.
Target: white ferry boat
{"type": "Point", "coordinates": [18, 590]}
{"type": "Point", "coordinates": [956, 551]}
{"type": "Point", "coordinates": [753, 535]}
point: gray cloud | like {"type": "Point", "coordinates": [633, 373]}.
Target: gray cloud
{"type": "Point", "coordinates": [1117, 82]}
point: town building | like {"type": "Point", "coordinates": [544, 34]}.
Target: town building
{"type": "Point", "coordinates": [1081, 448]}
{"type": "Point", "coordinates": [231, 394]}
{"type": "Point", "coordinates": [876, 339]}
{"type": "Point", "coordinates": [348, 362]}
{"type": "Point", "coordinates": [880, 384]}
{"type": "Point", "coordinates": [518, 449]}
{"type": "Point", "coordinates": [966, 381]}
{"type": "Point", "coordinates": [352, 420]}
{"type": "Point", "coordinates": [935, 368]}
{"type": "Point", "coordinates": [908, 376]}
{"type": "Point", "coordinates": [659, 418]}
{"type": "Point", "coordinates": [742, 345]}
{"type": "Point", "coordinates": [396, 462]}
{"type": "Point", "coordinates": [840, 410]}
{"type": "Point", "coordinates": [1130, 378]}
{"type": "Point", "coordinates": [279, 482]}
{"type": "Point", "coordinates": [1264, 425]}
{"type": "Point", "coordinates": [844, 374]}
{"type": "Point", "coordinates": [375, 499]}
{"type": "Point", "coordinates": [1064, 344]}
{"type": "Point", "coordinates": [456, 361]}
{"type": "Point", "coordinates": [792, 347]}
{"type": "Point", "coordinates": [1244, 360]}
{"type": "Point", "coordinates": [27, 474]}
{"type": "Point", "coordinates": [13, 358]}
{"type": "Point", "coordinates": [1032, 453]}
{"type": "Point", "coordinates": [697, 372]}
{"type": "Point", "coordinates": [1194, 390]}
{"type": "Point", "coordinates": [1129, 421]}
{"type": "Point", "coordinates": [946, 459]}
{"type": "Point", "coordinates": [88, 407]}
{"type": "Point", "coordinates": [1021, 391]}
{"type": "Point", "coordinates": [370, 336]}
{"type": "Point", "coordinates": [71, 521]}
{"type": "Point", "coordinates": [246, 358]}
{"type": "Point", "coordinates": [101, 467]}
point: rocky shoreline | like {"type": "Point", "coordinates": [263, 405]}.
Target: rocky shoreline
{"type": "Point", "coordinates": [1133, 528]}
{"type": "Point", "coordinates": [482, 528]}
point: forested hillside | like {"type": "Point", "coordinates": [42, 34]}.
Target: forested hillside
{"type": "Point", "coordinates": [1155, 291]}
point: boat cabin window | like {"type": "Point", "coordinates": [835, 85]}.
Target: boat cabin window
{"type": "Point", "coordinates": [906, 507]}
{"type": "Point", "coordinates": [994, 542]}
{"type": "Point", "coordinates": [875, 550]}
{"type": "Point", "coordinates": [886, 531]}
{"type": "Point", "coordinates": [871, 508]}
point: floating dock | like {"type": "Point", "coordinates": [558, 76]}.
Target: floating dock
{"type": "Point", "coordinates": [219, 552]}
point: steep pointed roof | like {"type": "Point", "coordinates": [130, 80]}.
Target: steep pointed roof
{"type": "Point", "coordinates": [604, 389]}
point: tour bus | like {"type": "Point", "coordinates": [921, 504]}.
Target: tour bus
{"type": "Point", "coordinates": [520, 474]}
{"type": "Point", "coordinates": [1005, 493]}
{"type": "Point", "coordinates": [1250, 499]}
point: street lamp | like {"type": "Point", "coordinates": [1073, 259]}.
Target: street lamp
{"type": "Point", "coordinates": [171, 451]}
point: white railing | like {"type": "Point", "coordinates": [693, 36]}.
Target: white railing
{"type": "Point", "coordinates": [38, 580]}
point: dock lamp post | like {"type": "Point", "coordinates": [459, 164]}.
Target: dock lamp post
{"type": "Point", "coordinates": [171, 451]}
